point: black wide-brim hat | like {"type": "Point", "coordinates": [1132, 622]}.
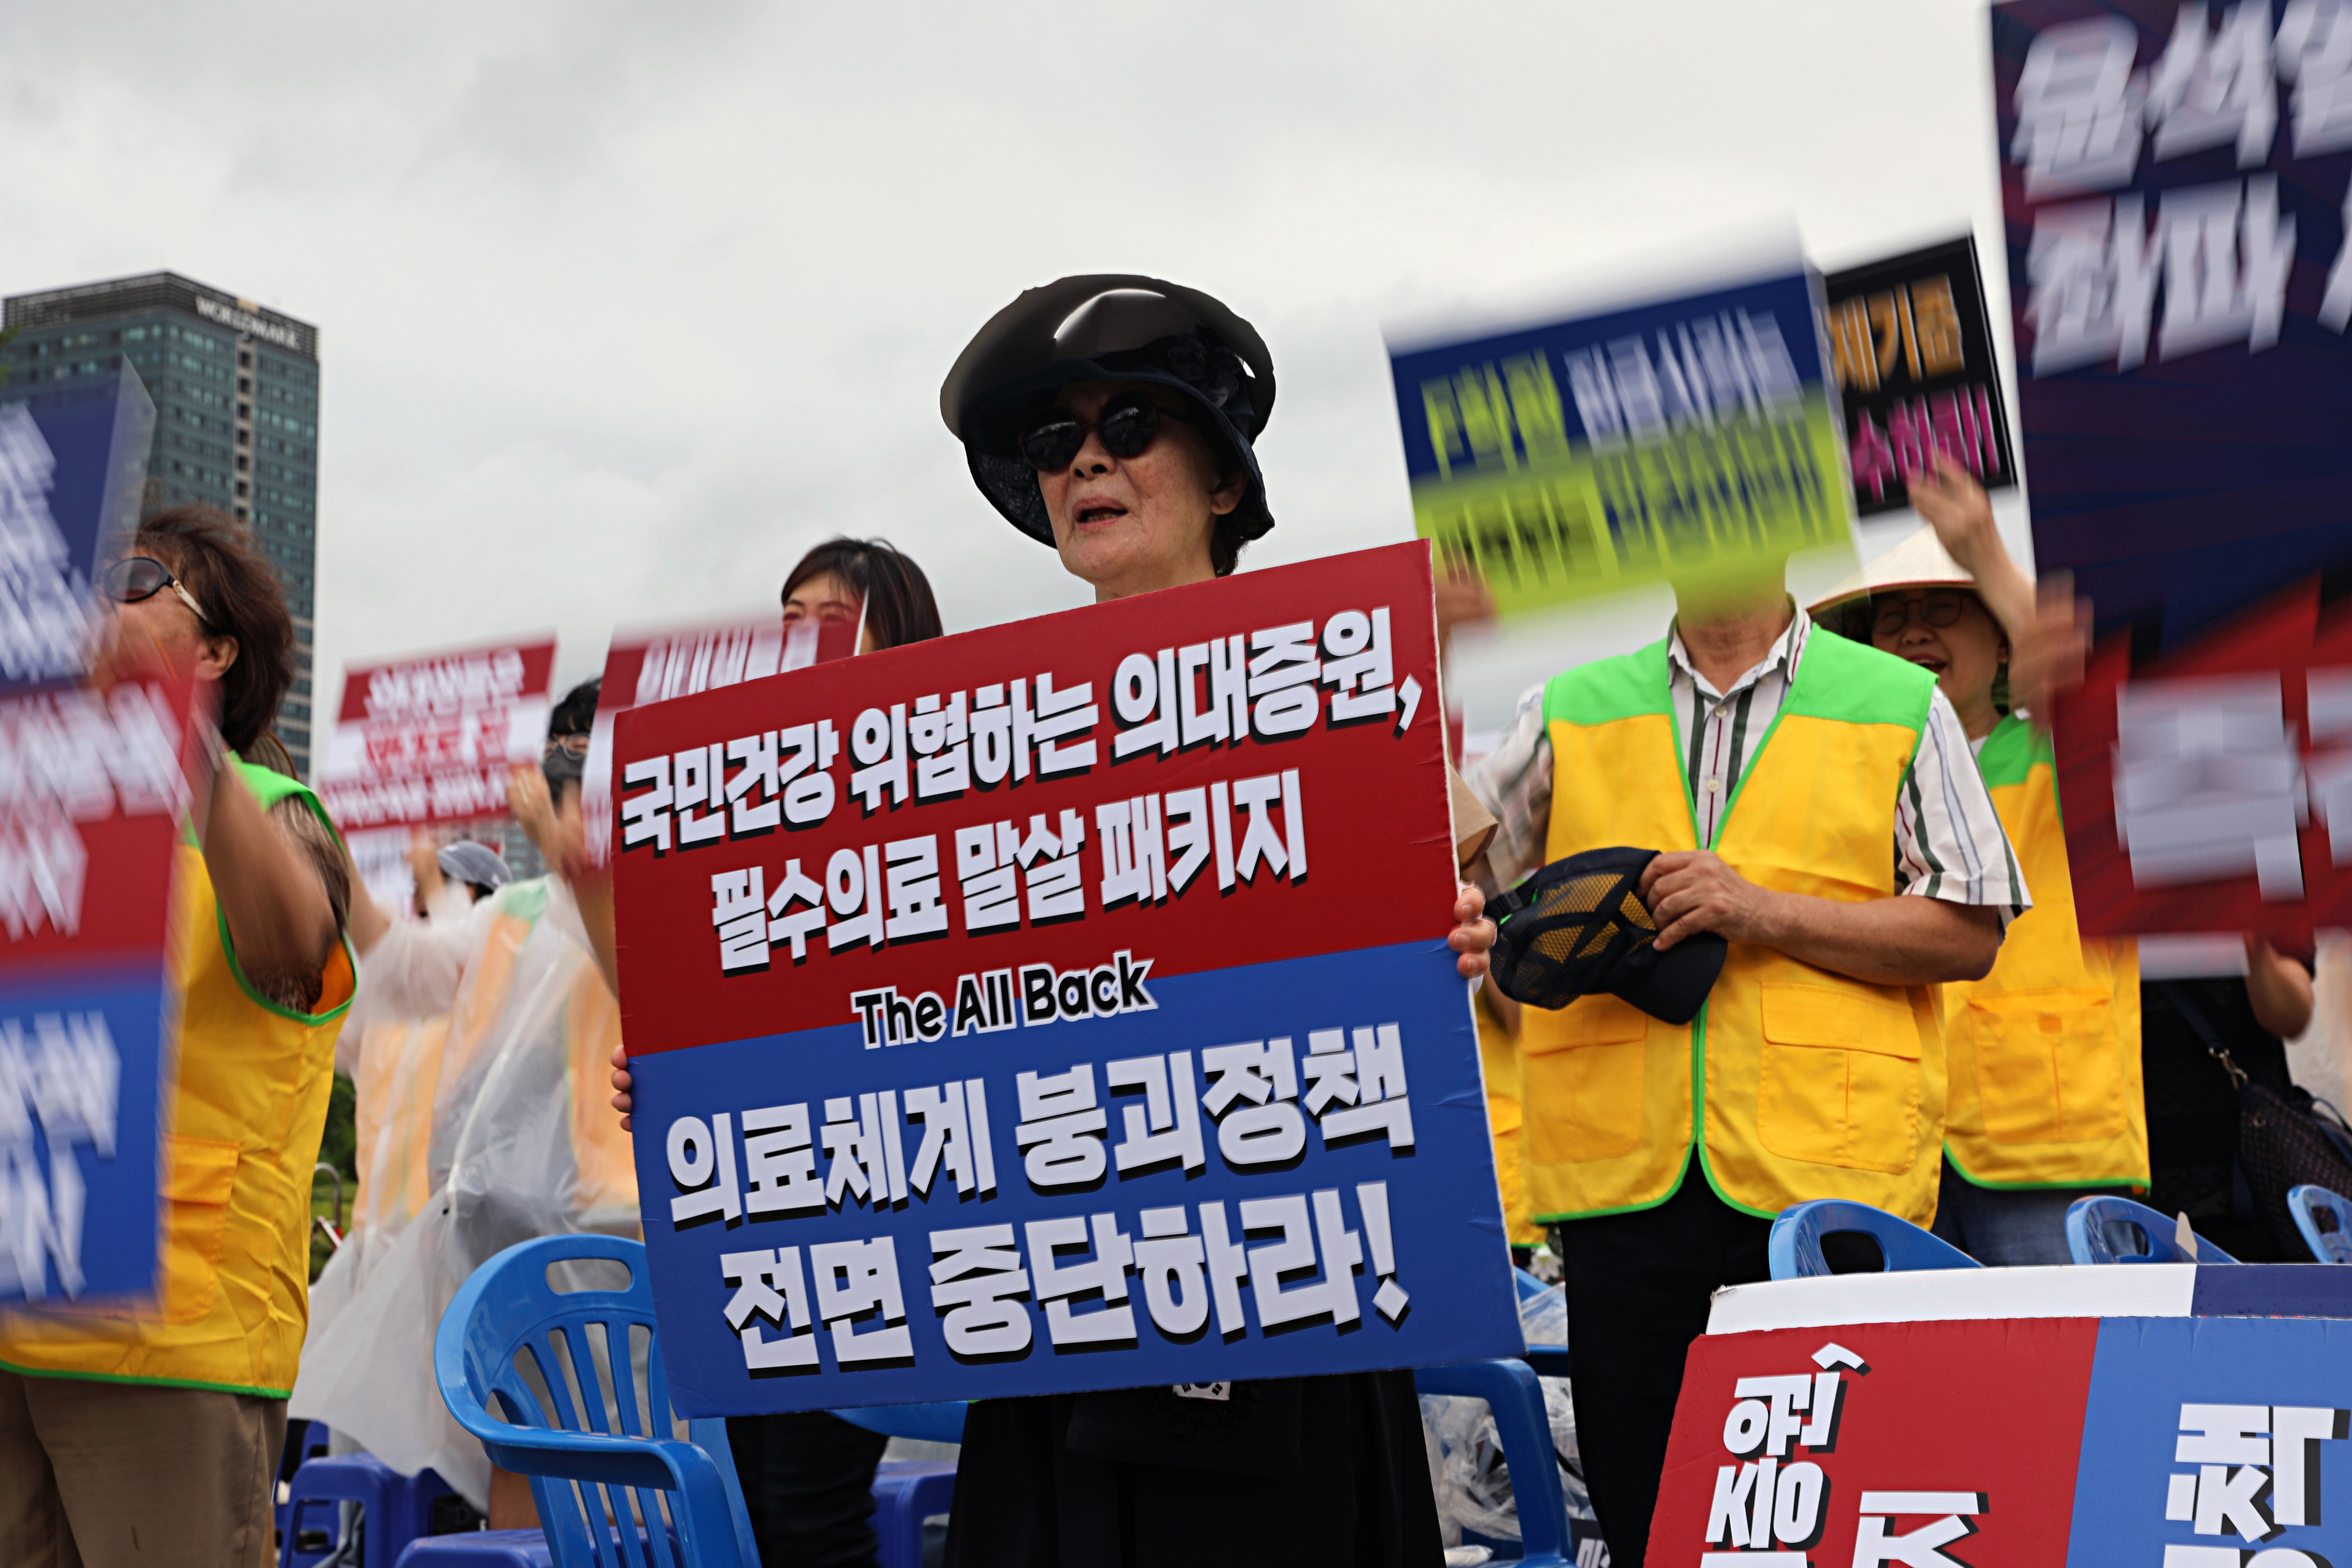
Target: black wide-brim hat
{"type": "Point", "coordinates": [1578, 928]}
{"type": "Point", "coordinates": [1106, 327]}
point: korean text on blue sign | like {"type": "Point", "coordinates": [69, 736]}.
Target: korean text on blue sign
{"type": "Point", "coordinates": [1061, 1006]}
{"type": "Point", "coordinates": [1582, 457]}
{"type": "Point", "coordinates": [2175, 181]}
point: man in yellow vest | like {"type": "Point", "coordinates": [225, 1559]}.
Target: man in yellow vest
{"type": "Point", "coordinates": [2045, 1103]}
{"type": "Point", "coordinates": [1816, 806]}
{"type": "Point", "coordinates": [150, 1439]}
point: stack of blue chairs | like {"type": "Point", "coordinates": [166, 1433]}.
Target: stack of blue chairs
{"type": "Point", "coordinates": [580, 1446]}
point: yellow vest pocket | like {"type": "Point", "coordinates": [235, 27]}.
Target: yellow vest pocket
{"type": "Point", "coordinates": [2048, 1069]}
{"type": "Point", "coordinates": [198, 1174]}
{"type": "Point", "coordinates": [1582, 1082]}
{"type": "Point", "coordinates": [1839, 1083]}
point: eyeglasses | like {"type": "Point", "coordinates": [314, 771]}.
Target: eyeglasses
{"type": "Point", "coordinates": [1889, 616]}
{"type": "Point", "coordinates": [569, 745]}
{"type": "Point", "coordinates": [1126, 424]}
{"type": "Point", "coordinates": [137, 577]}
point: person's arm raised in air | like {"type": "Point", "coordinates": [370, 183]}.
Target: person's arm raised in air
{"type": "Point", "coordinates": [278, 876]}
{"type": "Point", "coordinates": [2048, 627]}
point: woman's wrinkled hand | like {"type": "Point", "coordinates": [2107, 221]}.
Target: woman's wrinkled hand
{"type": "Point", "coordinates": [621, 1099]}
{"type": "Point", "coordinates": [1473, 933]}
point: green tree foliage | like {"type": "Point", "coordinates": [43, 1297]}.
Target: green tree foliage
{"type": "Point", "coordinates": [338, 1146]}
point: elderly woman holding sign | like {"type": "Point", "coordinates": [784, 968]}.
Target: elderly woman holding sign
{"type": "Point", "coordinates": [1113, 419]}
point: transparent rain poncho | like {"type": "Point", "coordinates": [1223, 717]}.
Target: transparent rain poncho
{"type": "Point", "coordinates": [518, 1140]}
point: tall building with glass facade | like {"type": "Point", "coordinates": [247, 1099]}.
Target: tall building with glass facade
{"type": "Point", "coordinates": [236, 416]}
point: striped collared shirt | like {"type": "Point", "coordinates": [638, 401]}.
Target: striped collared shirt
{"type": "Point", "coordinates": [1948, 841]}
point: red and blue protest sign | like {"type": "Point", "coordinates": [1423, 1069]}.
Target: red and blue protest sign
{"type": "Point", "coordinates": [1061, 1006]}
{"type": "Point", "coordinates": [2175, 181]}
{"type": "Point", "coordinates": [91, 792]}
{"type": "Point", "coordinates": [2210, 1428]}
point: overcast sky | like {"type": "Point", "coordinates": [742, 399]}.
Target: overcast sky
{"type": "Point", "coordinates": [624, 306]}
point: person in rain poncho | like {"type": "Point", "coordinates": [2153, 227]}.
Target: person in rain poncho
{"type": "Point", "coordinates": [516, 1143]}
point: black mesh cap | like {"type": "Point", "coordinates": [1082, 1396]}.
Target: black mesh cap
{"type": "Point", "coordinates": [1106, 327]}
{"type": "Point", "coordinates": [1578, 928]}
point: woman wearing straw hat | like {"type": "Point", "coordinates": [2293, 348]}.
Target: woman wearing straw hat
{"type": "Point", "coordinates": [2044, 1052]}
{"type": "Point", "coordinates": [1113, 419]}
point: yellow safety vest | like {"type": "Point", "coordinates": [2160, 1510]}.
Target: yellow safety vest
{"type": "Point", "coordinates": [246, 1112]}
{"type": "Point", "coordinates": [2046, 1050]}
{"type": "Point", "coordinates": [1794, 1082]}
{"type": "Point", "coordinates": [1498, 1058]}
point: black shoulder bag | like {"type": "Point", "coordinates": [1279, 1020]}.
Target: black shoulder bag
{"type": "Point", "coordinates": [2285, 1139]}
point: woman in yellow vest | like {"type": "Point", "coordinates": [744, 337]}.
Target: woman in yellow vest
{"type": "Point", "coordinates": [151, 1437]}
{"type": "Point", "coordinates": [2044, 1052]}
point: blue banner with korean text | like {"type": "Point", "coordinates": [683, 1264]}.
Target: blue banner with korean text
{"type": "Point", "coordinates": [992, 1035]}
{"type": "Point", "coordinates": [2175, 184]}
{"type": "Point", "coordinates": [1682, 435]}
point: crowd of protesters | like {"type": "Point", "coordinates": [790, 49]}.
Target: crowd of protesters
{"type": "Point", "coordinates": [1856, 800]}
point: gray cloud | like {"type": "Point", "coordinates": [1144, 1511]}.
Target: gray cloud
{"type": "Point", "coordinates": [624, 306]}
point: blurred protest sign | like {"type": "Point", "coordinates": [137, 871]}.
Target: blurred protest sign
{"type": "Point", "coordinates": [428, 740]}
{"type": "Point", "coordinates": [651, 667]}
{"type": "Point", "coordinates": [993, 1036]}
{"type": "Point", "coordinates": [72, 467]}
{"type": "Point", "coordinates": [1670, 439]}
{"type": "Point", "coordinates": [91, 791]}
{"type": "Point", "coordinates": [2174, 181]}
{"type": "Point", "coordinates": [1911, 354]}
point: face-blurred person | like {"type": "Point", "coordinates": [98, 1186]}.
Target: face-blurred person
{"type": "Point", "coordinates": [156, 1433]}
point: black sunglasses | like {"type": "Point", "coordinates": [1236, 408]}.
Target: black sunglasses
{"type": "Point", "coordinates": [137, 577]}
{"type": "Point", "coordinates": [1888, 616]}
{"type": "Point", "coordinates": [1126, 424]}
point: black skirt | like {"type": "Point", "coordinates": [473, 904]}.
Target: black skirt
{"type": "Point", "coordinates": [1306, 1472]}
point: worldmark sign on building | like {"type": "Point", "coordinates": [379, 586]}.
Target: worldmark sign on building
{"type": "Point", "coordinates": [1671, 439]}
{"type": "Point", "coordinates": [1061, 1006]}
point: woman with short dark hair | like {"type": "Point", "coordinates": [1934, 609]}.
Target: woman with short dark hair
{"type": "Point", "coordinates": [155, 1435]}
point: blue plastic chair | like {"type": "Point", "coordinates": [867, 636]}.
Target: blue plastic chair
{"type": "Point", "coordinates": [395, 1509]}
{"type": "Point", "coordinates": [940, 1423]}
{"type": "Point", "coordinates": [2087, 1219]}
{"type": "Point", "coordinates": [1795, 1247]}
{"type": "Point", "coordinates": [507, 1318]}
{"type": "Point", "coordinates": [906, 1494]}
{"type": "Point", "coordinates": [2325, 1218]}
{"type": "Point", "coordinates": [316, 1438]}
{"type": "Point", "coordinates": [480, 1548]}
{"type": "Point", "coordinates": [1512, 1392]}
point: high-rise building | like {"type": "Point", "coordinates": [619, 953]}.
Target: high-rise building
{"type": "Point", "coordinates": [237, 415]}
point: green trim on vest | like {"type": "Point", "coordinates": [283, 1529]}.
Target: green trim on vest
{"type": "Point", "coordinates": [1846, 681]}
{"type": "Point", "coordinates": [198, 1384]}
{"type": "Point", "coordinates": [2010, 752]}
{"type": "Point", "coordinates": [1630, 685]}
{"type": "Point", "coordinates": [270, 786]}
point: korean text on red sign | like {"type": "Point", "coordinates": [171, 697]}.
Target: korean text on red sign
{"type": "Point", "coordinates": [430, 740]}
{"type": "Point", "coordinates": [1061, 1006]}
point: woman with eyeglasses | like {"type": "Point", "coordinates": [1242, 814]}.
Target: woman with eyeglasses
{"type": "Point", "coordinates": [2045, 1051]}
{"type": "Point", "coordinates": [1114, 419]}
{"type": "Point", "coordinates": [152, 1436]}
